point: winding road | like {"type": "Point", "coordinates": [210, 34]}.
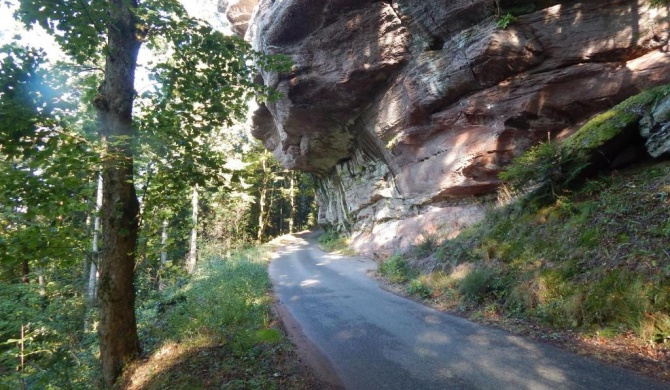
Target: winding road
{"type": "Point", "coordinates": [368, 338]}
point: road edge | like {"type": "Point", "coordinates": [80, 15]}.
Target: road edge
{"type": "Point", "coordinates": [309, 355]}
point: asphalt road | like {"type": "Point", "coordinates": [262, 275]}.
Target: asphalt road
{"type": "Point", "coordinates": [373, 339]}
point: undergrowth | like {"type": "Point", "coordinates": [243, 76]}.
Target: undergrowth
{"type": "Point", "coordinates": [396, 269]}
{"type": "Point", "coordinates": [215, 331]}
{"type": "Point", "coordinates": [595, 259]}
{"type": "Point", "coordinates": [332, 241]}
{"type": "Point", "coordinates": [582, 250]}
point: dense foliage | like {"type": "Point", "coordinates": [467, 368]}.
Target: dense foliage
{"type": "Point", "coordinates": [185, 134]}
{"type": "Point", "coordinates": [196, 339]}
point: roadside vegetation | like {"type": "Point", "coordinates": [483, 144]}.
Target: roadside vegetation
{"type": "Point", "coordinates": [332, 241]}
{"type": "Point", "coordinates": [216, 330]}
{"type": "Point", "coordinates": [107, 195]}
{"type": "Point", "coordinates": [582, 259]}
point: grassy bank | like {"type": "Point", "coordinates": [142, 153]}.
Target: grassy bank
{"type": "Point", "coordinates": [216, 331]}
{"type": "Point", "coordinates": [332, 241]}
{"type": "Point", "coordinates": [584, 255]}
{"type": "Point", "coordinates": [594, 264]}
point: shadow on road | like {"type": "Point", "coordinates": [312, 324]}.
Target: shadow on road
{"type": "Point", "coordinates": [373, 339]}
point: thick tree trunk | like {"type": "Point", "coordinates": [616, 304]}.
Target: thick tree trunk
{"type": "Point", "coordinates": [119, 343]}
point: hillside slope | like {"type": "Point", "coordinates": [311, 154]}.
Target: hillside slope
{"type": "Point", "coordinates": [584, 253]}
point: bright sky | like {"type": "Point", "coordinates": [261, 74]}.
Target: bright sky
{"type": "Point", "coordinates": [10, 28]}
{"type": "Point", "coordinates": [203, 9]}
{"type": "Point", "coordinates": [37, 37]}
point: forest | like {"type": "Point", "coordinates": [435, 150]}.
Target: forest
{"type": "Point", "coordinates": [111, 194]}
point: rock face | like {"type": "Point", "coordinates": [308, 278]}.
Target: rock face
{"type": "Point", "coordinates": [656, 129]}
{"type": "Point", "coordinates": [407, 110]}
{"type": "Point", "coordinates": [238, 13]}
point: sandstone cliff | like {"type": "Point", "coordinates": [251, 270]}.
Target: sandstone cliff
{"type": "Point", "coordinates": [407, 110]}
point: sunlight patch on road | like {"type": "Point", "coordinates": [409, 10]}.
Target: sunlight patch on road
{"type": "Point", "coordinates": [551, 373]}
{"type": "Point", "coordinates": [309, 282]}
{"type": "Point", "coordinates": [425, 352]}
{"type": "Point", "coordinates": [434, 338]}
{"type": "Point", "coordinates": [331, 256]}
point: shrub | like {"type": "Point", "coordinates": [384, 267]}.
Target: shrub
{"type": "Point", "coordinates": [396, 269]}
{"type": "Point", "coordinates": [332, 241]}
{"type": "Point", "coordinates": [504, 21]}
{"type": "Point", "coordinates": [547, 168]}
{"type": "Point", "coordinates": [451, 253]}
{"type": "Point", "coordinates": [479, 284]}
{"type": "Point", "coordinates": [419, 288]}
{"type": "Point", "coordinates": [427, 246]}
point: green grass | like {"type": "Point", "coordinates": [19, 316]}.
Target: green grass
{"type": "Point", "coordinates": [591, 260]}
{"type": "Point", "coordinates": [420, 288]}
{"type": "Point", "coordinates": [582, 249]}
{"type": "Point", "coordinates": [217, 331]}
{"type": "Point", "coordinates": [332, 241]}
{"type": "Point", "coordinates": [396, 269]}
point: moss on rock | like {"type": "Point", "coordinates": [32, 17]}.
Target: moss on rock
{"type": "Point", "coordinates": [551, 168]}
{"type": "Point", "coordinates": [623, 117]}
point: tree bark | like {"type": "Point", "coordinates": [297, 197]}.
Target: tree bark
{"type": "Point", "coordinates": [25, 271]}
{"type": "Point", "coordinates": [119, 343]}
{"type": "Point", "coordinates": [291, 194]}
{"type": "Point", "coordinates": [95, 250]}
{"type": "Point", "coordinates": [192, 253]}
{"type": "Point", "coordinates": [164, 238]}
{"type": "Point", "coordinates": [261, 199]}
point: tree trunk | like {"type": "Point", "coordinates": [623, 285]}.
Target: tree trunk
{"type": "Point", "coordinates": [261, 199]}
{"type": "Point", "coordinates": [25, 271]}
{"type": "Point", "coordinates": [164, 238]}
{"type": "Point", "coordinates": [119, 343]}
{"type": "Point", "coordinates": [269, 205]}
{"type": "Point", "coordinates": [291, 194]}
{"type": "Point", "coordinates": [95, 250]}
{"type": "Point", "coordinates": [42, 283]}
{"type": "Point", "coordinates": [192, 253]}
{"type": "Point", "coordinates": [86, 263]}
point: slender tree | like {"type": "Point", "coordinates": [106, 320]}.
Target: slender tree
{"type": "Point", "coordinates": [193, 243]}
{"type": "Point", "coordinates": [262, 197]}
{"type": "Point", "coordinates": [92, 286]}
{"type": "Point", "coordinates": [293, 211]}
{"type": "Point", "coordinates": [164, 254]}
